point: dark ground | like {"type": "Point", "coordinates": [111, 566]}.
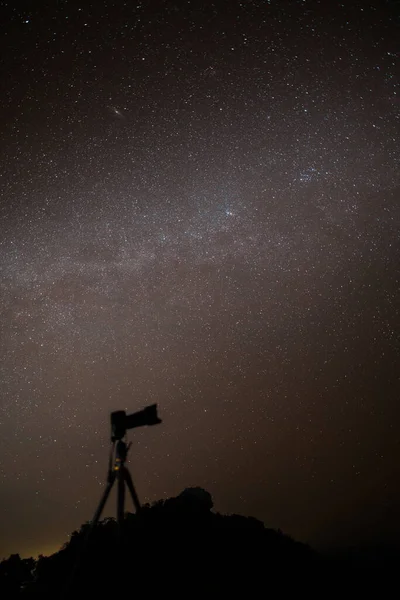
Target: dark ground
{"type": "Point", "coordinates": [179, 546]}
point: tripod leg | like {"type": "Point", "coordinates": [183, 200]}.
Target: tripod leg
{"type": "Point", "coordinates": [121, 497]}
{"type": "Point", "coordinates": [103, 500]}
{"type": "Point", "coordinates": [132, 490]}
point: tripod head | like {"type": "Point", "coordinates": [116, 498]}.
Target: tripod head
{"type": "Point", "coordinates": [120, 421]}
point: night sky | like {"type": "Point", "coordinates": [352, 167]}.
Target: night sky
{"type": "Point", "coordinates": [200, 208]}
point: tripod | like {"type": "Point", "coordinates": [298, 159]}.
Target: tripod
{"type": "Point", "coordinates": [120, 423]}
{"type": "Point", "coordinates": [118, 471]}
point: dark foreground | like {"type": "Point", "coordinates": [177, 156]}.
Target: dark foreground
{"type": "Point", "coordinates": [180, 547]}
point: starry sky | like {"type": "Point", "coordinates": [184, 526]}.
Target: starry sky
{"type": "Point", "coordinates": [200, 207]}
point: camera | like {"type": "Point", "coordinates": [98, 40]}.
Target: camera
{"type": "Point", "coordinates": [120, 421]}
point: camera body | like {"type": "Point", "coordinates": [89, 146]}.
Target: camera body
{"type": "Point", "coordinates": [120, 421]}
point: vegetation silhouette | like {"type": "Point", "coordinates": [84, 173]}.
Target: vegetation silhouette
{"type": "Point", "coordinates": [180, 546]}
{"type": "Point", "coordinates": [169, 545]}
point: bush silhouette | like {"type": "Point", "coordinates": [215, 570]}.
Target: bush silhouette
{"type": "Point", "coordinates": [171, 545]}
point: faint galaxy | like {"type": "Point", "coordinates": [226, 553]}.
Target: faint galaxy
{"type": "Point", "coordinates": [200, 208]}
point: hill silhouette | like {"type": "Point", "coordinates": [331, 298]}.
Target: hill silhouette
{"type": "Point", "coordinates": [169, 545]}
{"type": "Point", "coordinates": [178, 546]}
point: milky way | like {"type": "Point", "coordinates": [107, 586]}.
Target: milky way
{"type": "Point", "coordinates": [200, 208]}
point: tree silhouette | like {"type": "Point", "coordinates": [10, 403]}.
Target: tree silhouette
{"type": "Point", "coordinates": [14, 571]}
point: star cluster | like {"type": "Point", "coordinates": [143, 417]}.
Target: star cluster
{"type": "Point", "coordinates": [200, 208]}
